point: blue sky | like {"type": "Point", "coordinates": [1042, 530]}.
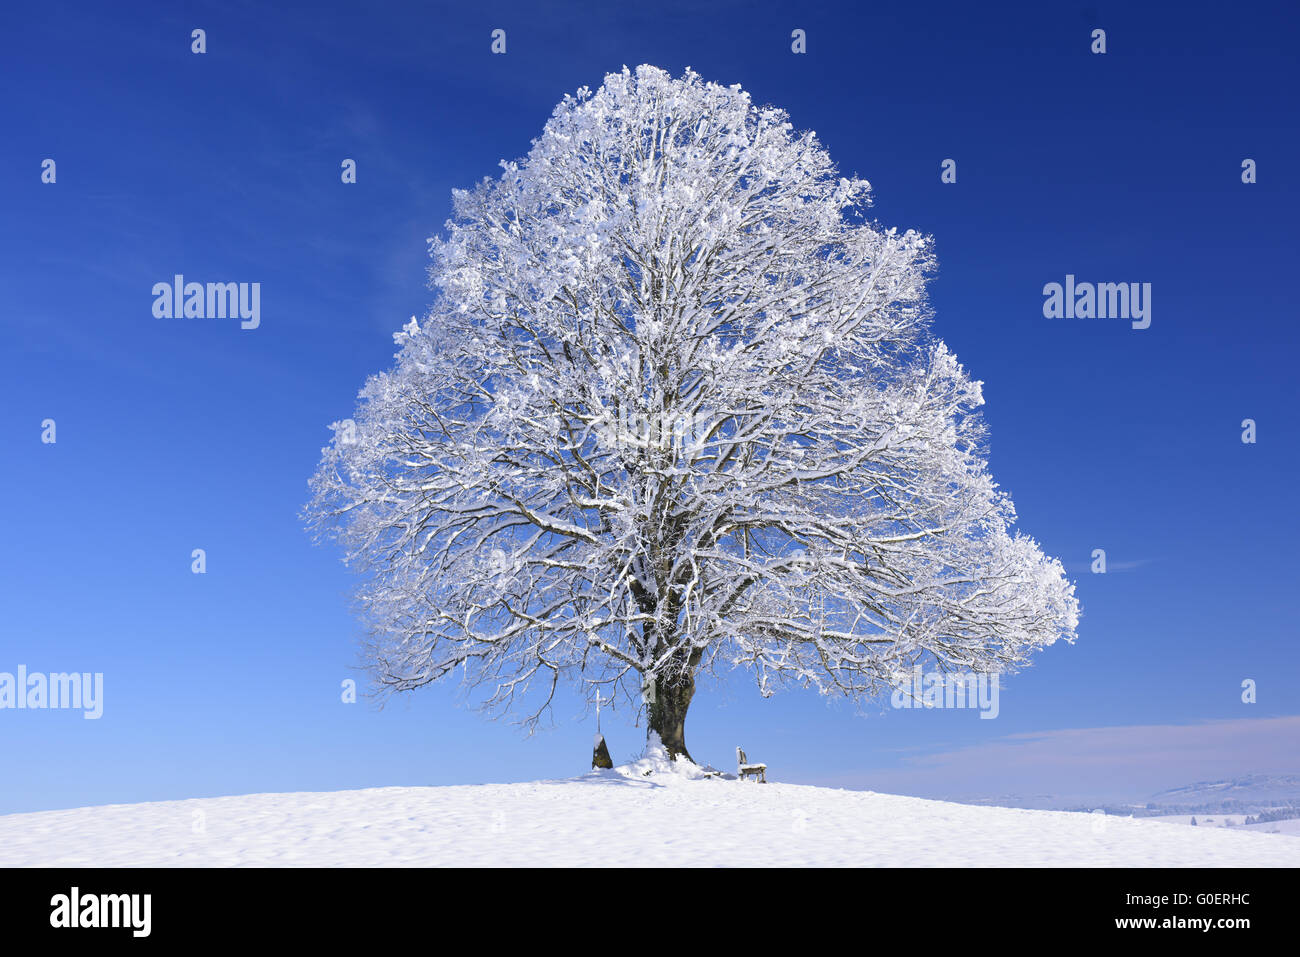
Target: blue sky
{"type": "Point", "coordinates": [181, 434]}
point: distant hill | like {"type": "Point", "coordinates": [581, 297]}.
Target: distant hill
{"type": "Point", "coordinates": [1277, 795]}
{"type": "Point", "coordinates": [1249, 794]}
{"type": "Point", "coordinates": [1272, 789]}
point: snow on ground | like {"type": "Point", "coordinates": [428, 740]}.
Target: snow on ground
{"type": "Point", "coordinates": [1202, 820]}
{"type": "Point", "coordinates": [1287, 826]}
{"type": "Point", "coordinates": [614, 818]}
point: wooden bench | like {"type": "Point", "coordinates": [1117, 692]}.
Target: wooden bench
{"type": "Point", "coordinates": [757, 771]}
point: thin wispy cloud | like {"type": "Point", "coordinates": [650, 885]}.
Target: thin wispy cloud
{"type": "Point", "coordinates": [1126, 763]}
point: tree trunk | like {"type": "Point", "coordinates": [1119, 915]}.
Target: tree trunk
{"type": "Point", "coordinates": [670, 697]}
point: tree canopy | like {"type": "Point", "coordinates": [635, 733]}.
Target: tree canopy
{"type": "Point", "coordinates": [677, 407]}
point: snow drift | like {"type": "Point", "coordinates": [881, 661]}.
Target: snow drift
{"type": "Point", "coordinates": [621, 817]}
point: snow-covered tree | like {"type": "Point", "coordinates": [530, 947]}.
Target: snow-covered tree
{"type": "Point", "coordinates": [677, 408]}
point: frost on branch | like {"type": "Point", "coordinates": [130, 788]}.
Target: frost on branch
{"type": "Point", "coordinates": [677, 407]}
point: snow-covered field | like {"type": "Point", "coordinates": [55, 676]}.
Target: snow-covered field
{"type": "Point", "coordinates": [619, 818]}
{"type": "Point", "coordinates": [1288, 826]}
{"type": "Point", "coordinates": [1202, 820]}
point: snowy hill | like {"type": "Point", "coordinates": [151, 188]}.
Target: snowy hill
{"type": "Point", "coordinates": [1254, 789]}
{"type": "Point", "coordinates": [1249, 794]}
{"type": "Point", "coordinates": [622, 817]}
